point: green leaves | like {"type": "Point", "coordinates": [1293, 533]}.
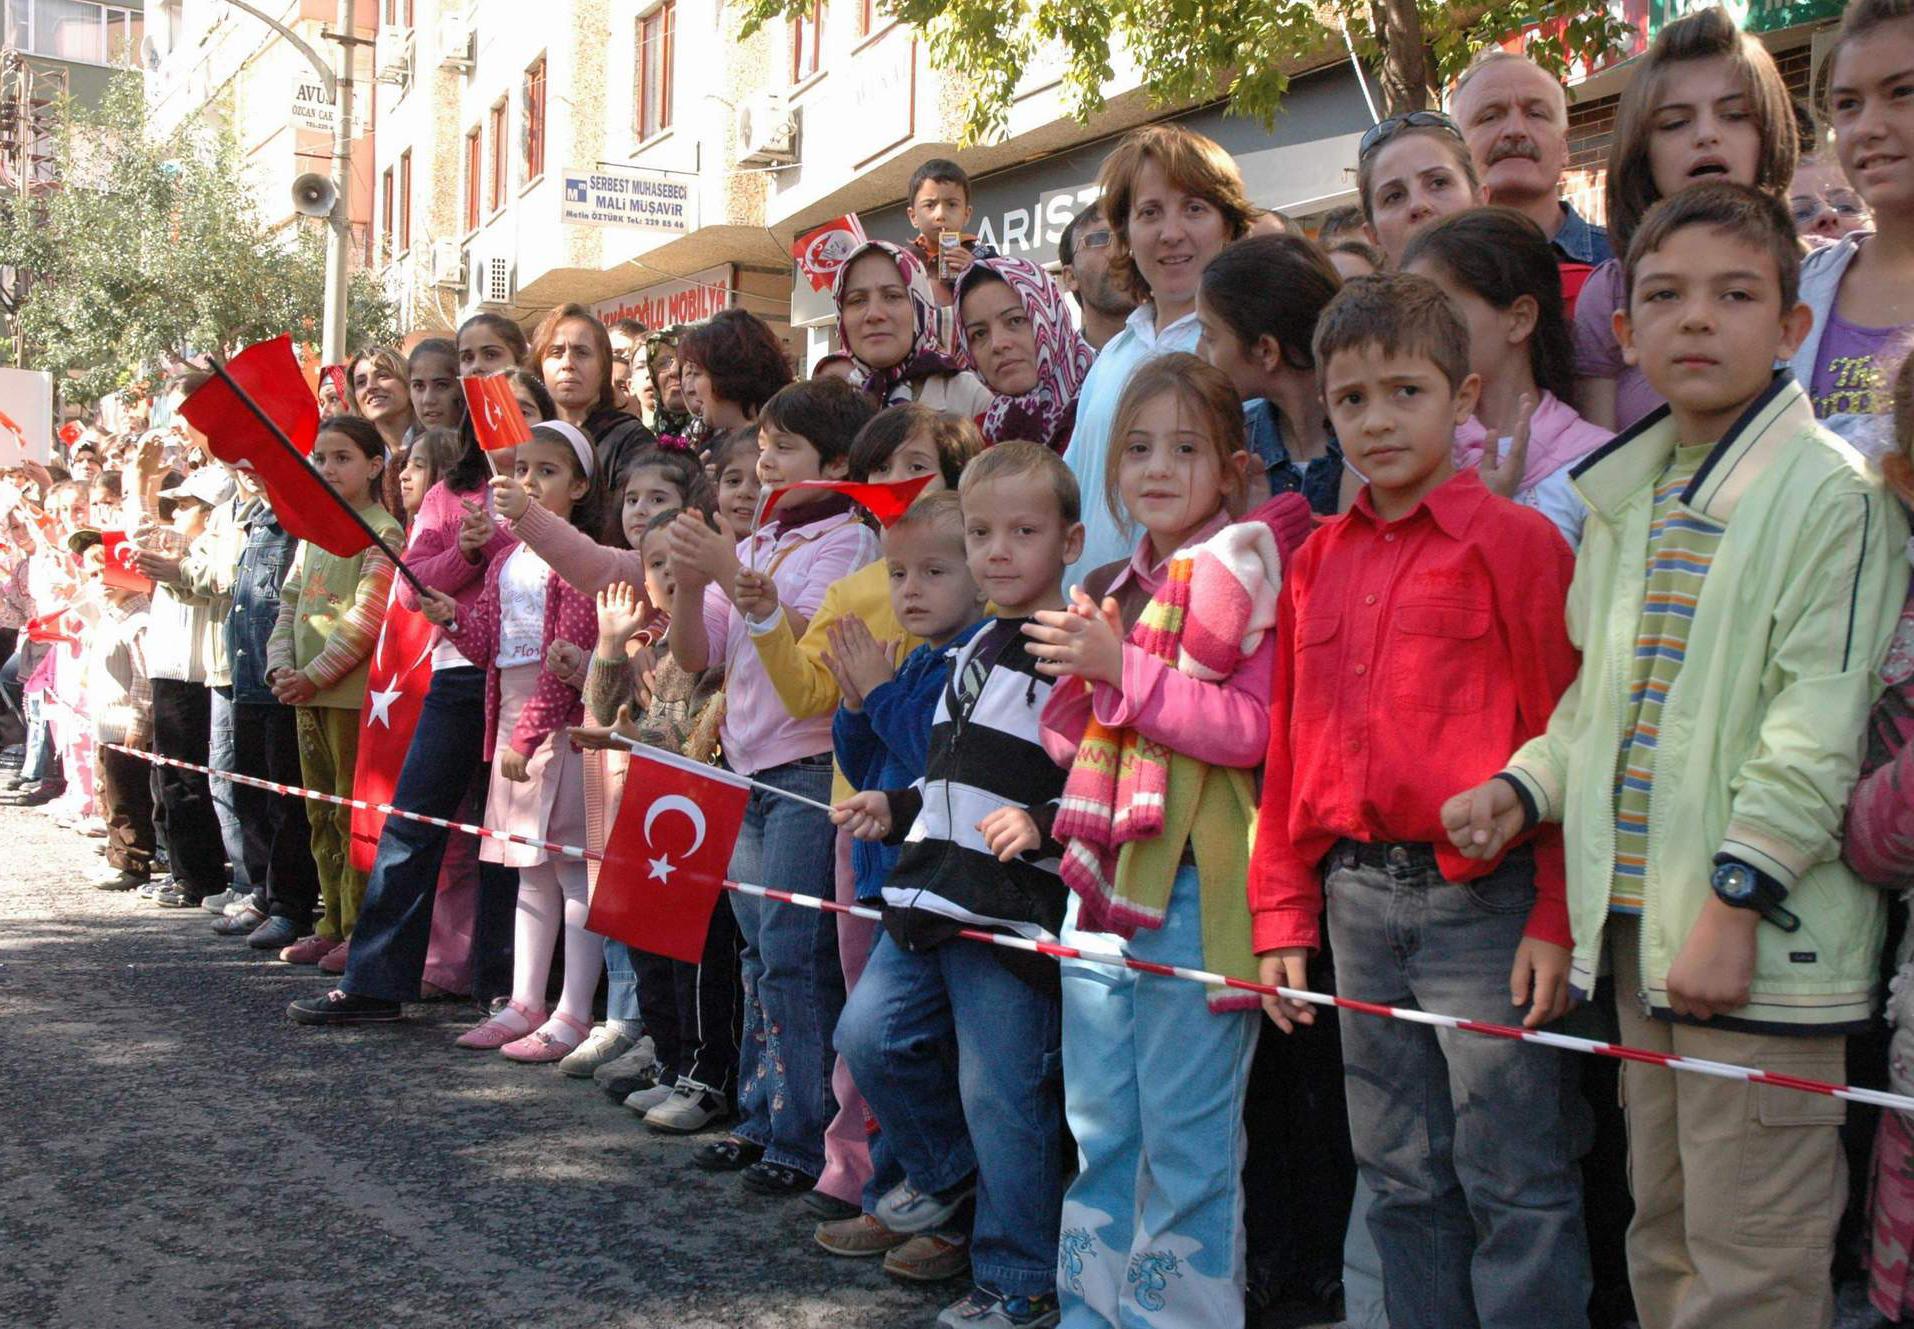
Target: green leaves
{"type": "Point", "coordinates": [1195, 49]}
{"type": "Point", "coordinates": [153, 245]}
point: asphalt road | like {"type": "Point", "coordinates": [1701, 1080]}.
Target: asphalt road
{"type": "Point", "coordinates": [174, 1152]}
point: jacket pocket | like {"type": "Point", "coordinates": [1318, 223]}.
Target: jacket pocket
{"type": "Point", "coordinates": [1314, 692]}
{"type": "Point", "coordinates": [1438, 656]}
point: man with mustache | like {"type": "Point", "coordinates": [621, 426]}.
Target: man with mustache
{"type": "Point", "coordinates": [1514, 116]}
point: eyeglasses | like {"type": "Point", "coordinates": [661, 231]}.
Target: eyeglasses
{"type": "Point", "coordinates": [1844, 204]}
{"type": "Point", "coordinates": [1384, 130]}
{"type": "Point", "coordinates": [1093, 240]}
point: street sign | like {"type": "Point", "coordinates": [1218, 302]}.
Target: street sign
{"type": "Point", "coordinates": [313, 107]}
{"type": "Point", "coordinates": [628, 197]}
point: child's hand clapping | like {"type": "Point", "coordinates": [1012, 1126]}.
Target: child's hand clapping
{"type": "Point", "coordinates": [439, 608]}
{"type": "Point", "coordinates": [476, 529]}
{"type": "Point", "coordinates": [565, 659]}
{"type": "Point", "coordinates": [699, 555]}
{"type": "Point", "coordinates": [599, 737]}
{"type": "Point", "coordinates": [867, 816]}
{"type": "Point", "coordinates": [1084, 640]}
{"type": "Point", "coordinates": [858, 661]}
{"type": "Point", "coordinates": [755, 594]}
{"type": "Point", "coordinates": [509, 497]}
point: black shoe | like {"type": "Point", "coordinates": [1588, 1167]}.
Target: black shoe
{"type": "Point", "coordinates": [341, 1007]}
{"type": "Point", "coordinates": [776, 1179]}
{"type": "Point", "coordinates": [177, 896]}
{"type": "Point", "coordinates": [622, 1086]}
{"type": "Point", "coordinates": [827, 1207]}
{"type": "Point", "coordinates": [727, 1155]}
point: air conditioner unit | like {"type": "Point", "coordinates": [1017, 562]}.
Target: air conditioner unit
{"type": "Point", "coordinates": [392, 56]}
{"type": "Point", "coordinates": [448, 263]}
{"type": "Point", "coordinates": [495, 280]}
{"type": "Point", "coordinates": [455, 42]}
{"type": "Point", "coordinates": [766, 131]}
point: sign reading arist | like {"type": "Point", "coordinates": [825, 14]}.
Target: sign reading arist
{"type": "Point", "coordinates": [628, 197]}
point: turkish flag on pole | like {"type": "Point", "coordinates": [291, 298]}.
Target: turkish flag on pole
{"type": "Point", "coordinates": [497, 418]}
{"type": "Point", "coordinates": [667, 854]}
{"type": "Point", "coordinates": [13, 442]}
{"type": "Point", "coordinates": [886, 502]}
{"type": "Point", "coordinates": [819, 253]}
{"type": "Point", "coordinates": [122, 571]}
{"type": "Point", "coordinates": [396, 682]}
{"type": "Point", "coordinates": [304, 504]}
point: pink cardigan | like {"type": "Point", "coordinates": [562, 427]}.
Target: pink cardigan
{"type": "Point", "coordinates": [1879, 841]}
{"type": "Point", "coordinates": [433, 553]}
{"type": "Point", "coordinates": [570, 615]}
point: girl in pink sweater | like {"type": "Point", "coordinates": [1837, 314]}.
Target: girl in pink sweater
{"type": "Point", "coordinates": [517, 630]}
{"type": "Point", "coordinates": [1174, 650]}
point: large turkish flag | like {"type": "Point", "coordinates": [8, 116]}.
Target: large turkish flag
{"type": "Point", "coordinates": [666, 857]}
{"type": "Point", "coordinates": [396, 684]}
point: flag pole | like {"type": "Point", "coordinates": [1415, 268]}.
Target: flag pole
{"type": "Point", "coordinates": [273, 428]}
{"type": "Point", "coordinates": [672, 759]}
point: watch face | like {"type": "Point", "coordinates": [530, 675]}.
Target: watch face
{"type": "Point", "coordinates": [1735, 882]}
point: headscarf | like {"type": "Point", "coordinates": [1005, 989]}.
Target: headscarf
{"type": "Point", "coordinates": [1063, 356]}
{"type": "Point", "coordinates": [925, 357]}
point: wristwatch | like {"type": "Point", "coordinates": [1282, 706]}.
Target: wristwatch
{"type": "Point", "coordinates": [1740, 886]}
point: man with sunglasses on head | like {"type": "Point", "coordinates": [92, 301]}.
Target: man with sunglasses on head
{"type": "Point", "coordinates": [1084, 251]}
{"type": "Point", "coordinates": [1514, 116]}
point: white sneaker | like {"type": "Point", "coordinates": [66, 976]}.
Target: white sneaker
{"type": "Point", "coordinates": [241, 903]}
{"type": "Point", "coordinates": [645, 1100]}
{"type": "Point", "coordinates": [641, 1057]}
{"type": "Point", "coordinates": [604, 1044]}
{"type": "Point", "coordinates": [216, 904]}
{"type": "Point", "coordinates": [690, 1108]}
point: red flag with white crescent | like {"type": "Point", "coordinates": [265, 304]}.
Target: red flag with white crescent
{"type": "Point", "coordinates": [399, 674]}
{"type": "Point", "coordinates": [885, 500]}
{"type": "Point", "coordinates": [122, 568]}
{"type": "Point", "coordinates": [667, 855]}
{"type": "Point", "coordinates": [497, 418]}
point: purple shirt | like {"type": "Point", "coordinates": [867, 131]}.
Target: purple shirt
{"type": "Point", "coordinates": [1599, 355]}
{"type": "Point", "coordinates": [1854, 369]}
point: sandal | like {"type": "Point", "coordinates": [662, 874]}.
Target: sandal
{"type": "Point", "coordinates": [776, 1179]}
{"type": "Point", "coordinates": [496, 1032]}
{"type": "Point", "coordinates": [547, 1042]}
{"type": "Point", "coordinates": [727, 1155]}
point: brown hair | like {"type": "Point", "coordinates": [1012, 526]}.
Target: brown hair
{"type": "Point", "coordinates": [1399, 314]}
{"type": "Point", "coordinates": [505, 329]}
{"type": "Point", "coordinates": [955, 437]}
{"type": "Point", "coordinates": [1449, 136]}
{"type": "Point", "coordinates": [1752, 216]}
{"type": "Point", "coordinates": [1703, 35]}
{"type": "Point", "coordinates": [1193, 163]}
{"type": "Point", "coordinates": [942, 509]}
{"type": "Point", "coordinates": [387, 358]}
{"type": "Point", "coordinates": [547, 333]}
{"type": "Point", "coordinates": [1859, 19]}
{"type": "Point", "coordinates": [1199, 388]}
{"type": "Point", "coordinates": [741, 355]}
{"type": "Point", "coordinates": [1271, 285]}
{"type": "Point", "coordinates": [1502, 255]}
{"type": "Point", "coordinates": [1008, 460]}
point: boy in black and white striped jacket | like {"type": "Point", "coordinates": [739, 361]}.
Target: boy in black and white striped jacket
{"type": "Point", "coordinates": [978, 853]}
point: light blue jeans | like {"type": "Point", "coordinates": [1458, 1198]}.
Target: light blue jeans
{"type": "Point", "coordinates": [222, 756]}
{"type": "Point", "coordinates": [1153, 1091]}
{"type": "Point", "coordinates": [793, 983]}
{"type": "Point", "coordinates": [621, 984]}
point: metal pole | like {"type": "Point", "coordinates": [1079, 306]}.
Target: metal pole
{"type": "Point", "coordinates": [339, 243]}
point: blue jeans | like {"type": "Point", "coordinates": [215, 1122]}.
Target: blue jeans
{"type": "Point", "coordinates": [938, 1037]}
{"type": "Point", "coordinates": [41, 761]}
{"type": "Point", "coordinates": [394, 927]}
{"type": "Point", "coordinates": [621, 984]}
{"type": "Point", "coordinates": [793, 984]}
{"type": "Point", "coordinates": [222, 755]}
{"type": "Point", "coordinates": [1154, 1084]}
{"type": "Point", "coordinates": [1476, 1203]}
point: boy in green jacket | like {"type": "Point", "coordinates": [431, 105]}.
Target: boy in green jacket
{"type": "Point", "coordinates": [1737, 586]}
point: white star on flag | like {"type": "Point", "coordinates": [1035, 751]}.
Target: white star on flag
{"type": "Point", "coordinates": [661, 869]}
{"type": "Point", "coordinates": [382, 699]}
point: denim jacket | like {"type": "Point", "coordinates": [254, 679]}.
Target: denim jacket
{"type": "Point", "coordinates": [263, 563]}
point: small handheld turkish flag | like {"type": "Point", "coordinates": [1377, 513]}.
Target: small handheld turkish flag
{"type": "Point", "coordinates": [820, 252]}
{"type": "Point", "coordinates": [886, 502]}
{"type": "Point", "coordinates": [122, 568]}
{"type": "Point", "coordinates": [497, 418]}
{"type": "Point", "coordinates": [305, 505]}
{"type": "Point", "coordinates": [397, 680]}
{"type": "Point", "coordinates": [666, 857]}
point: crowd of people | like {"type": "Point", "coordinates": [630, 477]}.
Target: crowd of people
{"type": "Point", "coordinates": [1465, 607]}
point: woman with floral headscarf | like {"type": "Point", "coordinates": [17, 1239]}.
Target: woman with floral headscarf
{"type": "Point", "coordinates": [1012, 324]}
{"type": "Point", "coordinates": [887, 320]}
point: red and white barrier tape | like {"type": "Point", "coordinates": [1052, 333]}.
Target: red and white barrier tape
{"type": "Point", "coordinates": [1565, 1042]}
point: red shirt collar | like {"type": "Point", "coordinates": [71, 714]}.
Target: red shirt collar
{"type": "Point", "coordinates": [1452, 505]}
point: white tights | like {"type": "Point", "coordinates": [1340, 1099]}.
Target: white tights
{"type": "Point", "coordinates": [548, 892]}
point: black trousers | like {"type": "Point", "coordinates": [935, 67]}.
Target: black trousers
{"type": "Point", "coordinates": [182, 728]}
{"type": "Point", "coordinates": [126, 802]}
{"type": "Point", "coordinates": [276, 835]}
{"type": "Point", "coordinates": [710, 1008]}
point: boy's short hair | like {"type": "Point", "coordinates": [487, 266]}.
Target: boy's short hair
{"type": "Point", "coordinates": [1399, 313]}
{"type": "Point", "coordinates": [939, 170]}
{"type": "Point", "coordinates": [955, 437]}
{"type": "Point", "coordinates": [825, 412]}
{"type": "Point", "coordinates": [1007, 460]}
{"type": "Point", "coordinates": [1742, 213]}
{"type": "Point", "coordinates": [942, 511]}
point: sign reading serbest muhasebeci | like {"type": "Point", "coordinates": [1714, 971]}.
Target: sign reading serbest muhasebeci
{"type": "Point", "coordinates": [631, 197]}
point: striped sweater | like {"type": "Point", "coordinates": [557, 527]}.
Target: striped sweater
{"type": "Point", "coordinates": [985, 753]}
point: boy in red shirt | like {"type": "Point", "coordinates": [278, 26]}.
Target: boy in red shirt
{"type": "Point", "coordinates": [1419, 632]}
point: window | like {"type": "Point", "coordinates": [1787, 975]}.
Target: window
{"type": "Point", "coordinates": [385, 208]}
{"type": "Point", "coordinates": [398, 13]}
{"type": "Point", "coordinates": [474, 170]}
{"type": "Point", "coordinates": [657, 33]}
{"type": "Point", "coordinates": [495, 197]}
{"type": "Point", "coordinates": [806, 33]}
{"type": "Point", "coordinates": [76, 30]}
{"type": "Point", "coordinates": [534, 121]}
{"type": "Point", "coordinates": [405, 200]}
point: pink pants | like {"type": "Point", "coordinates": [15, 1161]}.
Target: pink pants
{"type": "Point", "coordinates": [448, 956]}
{"type": "Point", "coordinates": [847, 1147]}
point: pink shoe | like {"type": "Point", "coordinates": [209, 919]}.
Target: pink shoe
{"type": "Point", "coordinates": [309, 950]}
{"type": "Point", "coordinates": [334, 961]}
{"type": "Point", "coordinates": [495, 1033]}
{"type": "Point", "coordinates": [547, 1042]}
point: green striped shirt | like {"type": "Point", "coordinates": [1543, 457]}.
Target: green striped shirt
{"type": "Point", "coordinates": [1681, 545]}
